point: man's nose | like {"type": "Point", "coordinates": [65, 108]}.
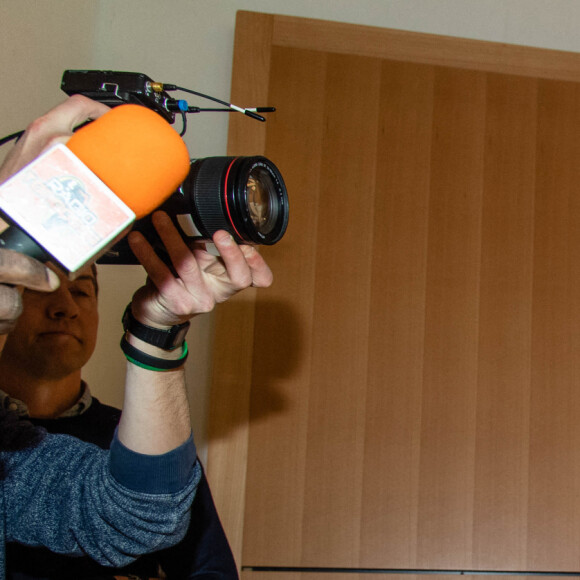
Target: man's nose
{"type": "Point", "coordinates": [62, 304]}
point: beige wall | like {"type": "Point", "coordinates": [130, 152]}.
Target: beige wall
{"type": "Point", "coordinates": [189, 42]}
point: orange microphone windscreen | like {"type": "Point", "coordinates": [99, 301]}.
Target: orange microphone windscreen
{"type": "Point", "coordinates": [136, 153]}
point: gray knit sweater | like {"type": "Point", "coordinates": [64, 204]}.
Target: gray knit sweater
{"type": "Point", "coordinates": [113, 506]}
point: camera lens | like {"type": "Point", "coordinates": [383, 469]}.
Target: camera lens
{"type": "Point", "coordinates": [243, 195]}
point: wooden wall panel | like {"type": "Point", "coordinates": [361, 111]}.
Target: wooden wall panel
{"type": "Point", "coordinates": [505, 326]}
{"type": "Point", "coordinates": [397, 321]}
{"type": "Point", "coordinates": [406, 395]}
{"type": "Point", "coordinates": [280, 395]}
{"type": "Point", "coordinates": [340, 326]}
{"type": "Point", "coordinates": [554, 515]}
{"type": "Point", "coordinates": [451, 322]}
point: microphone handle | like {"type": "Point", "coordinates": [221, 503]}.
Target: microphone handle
{"type": "Point", "coordinates": [14, 238]}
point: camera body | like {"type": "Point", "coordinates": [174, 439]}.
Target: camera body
{"type": "Point", "coordinates": [245, 196]}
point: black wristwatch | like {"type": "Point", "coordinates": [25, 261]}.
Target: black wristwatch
{"type": "Point", "coordinates": [166, 339]}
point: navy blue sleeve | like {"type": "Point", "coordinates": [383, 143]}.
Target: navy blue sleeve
{"type": "Point", "coordinates": [166, 473]}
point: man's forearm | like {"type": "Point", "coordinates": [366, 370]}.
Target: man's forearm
{"type": "Point", "coordinates": [155, 416]}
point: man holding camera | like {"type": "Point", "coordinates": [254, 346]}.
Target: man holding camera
{"type": "Point", "coordinates": [40, 379]}
{"type": "Point", "coordinates": [73, 497]}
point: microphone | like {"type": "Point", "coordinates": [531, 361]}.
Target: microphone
{"type": "Point", "coordinates": [73, 202]}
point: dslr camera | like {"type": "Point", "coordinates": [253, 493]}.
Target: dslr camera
{"type": "Point", "coordinates": [245, 196]}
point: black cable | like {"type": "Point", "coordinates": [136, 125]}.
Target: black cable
{"type": "Point", "coordinates": [230, 108]}
{"type": "Point", "coordinates": [202, 95]}
{"type": "Point", "coordinates": [9, 138]}
{"type": "Point", "coordinates": [184, 125]}
{"type": "Point", "coordinates": [254, 110]}
{"type": "Point", "coordinates": [19, 134]}
{"type": "Point", "coordinates": [247, 112]}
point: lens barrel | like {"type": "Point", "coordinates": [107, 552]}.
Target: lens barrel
{"type": "Point", "coordinates": [244, 195]}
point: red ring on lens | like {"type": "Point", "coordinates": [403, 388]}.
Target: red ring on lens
{"type": "Point", "coordinates": [226, 198]}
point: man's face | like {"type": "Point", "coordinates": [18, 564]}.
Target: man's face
{"type": "Point", "coordinates": [57, 331]}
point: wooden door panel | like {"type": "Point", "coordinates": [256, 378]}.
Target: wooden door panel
{"type": "Point", "coordinates": [553, 516]}
{"type": "Point", "coordinates": [337, 393]}
{"type": "Point", "coordinates": [397, 323]}
{"type": "Point", "coordinates": [280, 387]}
{"type": "Point", "coordinates": [505, 326]}
{"type": "Point", "coordinates": [451, 321]}
{"type": "Point", "coordinates": [405, 395]}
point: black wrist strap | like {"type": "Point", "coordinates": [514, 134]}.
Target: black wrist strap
{"type": "Point", "coordinates": [149, 362]}
{"type": "Point", "coordinates": [167, 339]}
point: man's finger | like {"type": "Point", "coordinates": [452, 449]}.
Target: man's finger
{"type": "Point", "coordinates": [55, 126]}
{"type": "Point", "coordinates": [10, 308]}
{"type": "Point", "coordinates": [18, 269]}
{"type": "Point", "coordinates": [62, 119]}
{"type": "Point", "coordinates": [244, 263]}
{"type": "Point", "coordinates": [262, 276]}
{"type": "Point", "coordinates": [179, 252]}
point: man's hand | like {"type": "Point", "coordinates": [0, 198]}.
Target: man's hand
{"type": "Point", "coordinates": [155, 413]}
{"type": "Point", "coordinates": [54, 127]}
{"type": "Point", "coordinates": [204, 279]}
{"type": "Point", "coordinates": [18, 271]}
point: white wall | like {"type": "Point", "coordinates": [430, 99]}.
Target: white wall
{"type": "Point", "coordinates": [190, 42]}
